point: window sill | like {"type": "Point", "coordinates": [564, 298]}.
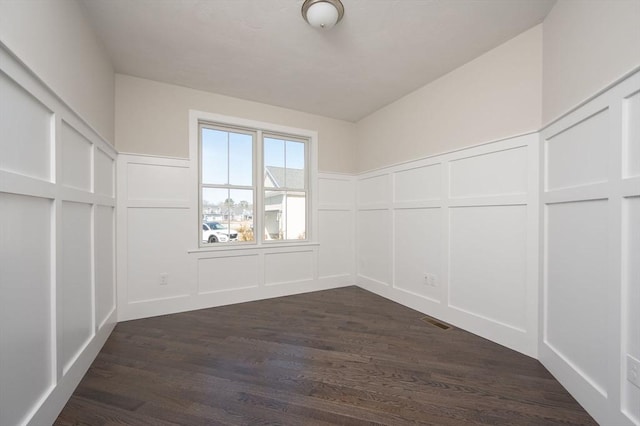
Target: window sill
{"type": "Point", "coordinates": [259, 247]}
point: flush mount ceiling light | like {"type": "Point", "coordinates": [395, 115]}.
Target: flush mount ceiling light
{"type": "Point", "coordinates": [322, 13]}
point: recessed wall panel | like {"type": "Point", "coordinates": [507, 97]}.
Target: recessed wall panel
{"type": "Point", "coordinates": [26, 129]}
{"type": "Point", "coordinates": [336, 234]}
{"type": "Point", "coordinates": [157, 183]}
{"type": "Point", "coordinates": [631, 253]}
{"type": "Point", "coordinates": [335, 192]}
{"type": "Point", "coordinates": [228, 273]}
{"type": "Point", "coordinates": [158, 240]}
{"type": "Point", "coordinates": [418, 251]}
{"type": "Point", "coordinates": [103, 174]}
{"type": "Point", "coordinates": [577, 286]}
{"type": "Point", "coordinates": [374, 245]}
{"type": "Point", "coordinates": [75, 314]}
{"type": "Point", "coordinates": [579, 155]}
{"type": "Point", "coordinates": [76, 158]}
{"type": "Point", "coordinates": [104, 262]}
{"type": "Point", "coordinates": [496, 173]}
{"type": "Point", "coordinates": [488, 262]}
{"type": "Point", "coordinates": [25, 281]}
{"type": "Point", "coordinates": [631, 136]}
{"type": "Point", "coordinates": [288, 267]}
{"type": "Point", "coordinates": [374, 190]}
{"type": "Point", "coordinates": [631, 299]}
{"type": "Point", "coordinates": [418, 184]}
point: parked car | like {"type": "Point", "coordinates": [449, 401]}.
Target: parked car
{"type": "Point", "coordinates": [214, 232]}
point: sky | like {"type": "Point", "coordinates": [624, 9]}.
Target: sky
{"type": "Point", "coordinates": [227, 158]}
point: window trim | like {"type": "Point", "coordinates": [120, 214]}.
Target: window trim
{"type": "Point", "coordinates": [260, 128]}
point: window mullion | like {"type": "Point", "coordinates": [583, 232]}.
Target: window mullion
{"type": "Point", "coordinates": [258, 213]}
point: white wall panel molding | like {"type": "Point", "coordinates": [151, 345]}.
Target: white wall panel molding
{"type": "Point", "coordinates": [404, 189]}
{"type": "Point", "coordinates": [589, 307]}
{"type": "Point", "coordinates": [157, 237]}
{"type": "Point", "coordinates": [455, 236]}
{"type": "Point", "coordinates": [631, 135]}
{"type": "Point", "coordinates": [50, 160]}
{"type": "Point", "coordinates": [468, 176]}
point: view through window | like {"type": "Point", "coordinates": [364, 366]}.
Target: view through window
{"type": "Point", "coordinates": [236, 184]}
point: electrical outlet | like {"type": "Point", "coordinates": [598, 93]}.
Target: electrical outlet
{"type": "Point", "coordinates": [430, 280]}
{"type": "Point", "coordinates": [633, 370]}
{"type": "Point", "coordinates": [164, 278]}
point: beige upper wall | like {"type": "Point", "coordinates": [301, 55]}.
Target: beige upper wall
{"type": "Point", "coordinates": [587, 45]}
{"type": "Point", "coordinates": [497, 95]}
{"type": "Point", "coordinates": [153, 118]}
{"type": "Point", "coordinates": [53, 38]}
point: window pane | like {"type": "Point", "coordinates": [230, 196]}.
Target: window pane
{"type": "Point", "coordinates": [274, 215]}
{"type": "Point", "coordinates": [295, 214]}
{"type": "Point", "coordinates": [273, 152]}
{"type": "Point", "coordinates": [214, 156]}
{"type": "Point", "coordinates": [274, 163]}
{"type": "Point", "coordinates": [240, 204]}
{"type": "Point", "coordinates": [212, 203]}
{"type": "Point", "coordinates": [240, 159]}
{"type": "Point", "coordinates": [213, 215]}
{"type": "Point", "coordinates": [294, 160]}
{"type": "Point", "coordinates": [285, 215]}
{"type": "Point", "coordinates": [295, 155]}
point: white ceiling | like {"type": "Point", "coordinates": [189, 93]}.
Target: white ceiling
{"type": "Point", "coordinates": [263, 50]}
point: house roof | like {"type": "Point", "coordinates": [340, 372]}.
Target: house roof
{"type": "Point", "coordinates": [285, 178]}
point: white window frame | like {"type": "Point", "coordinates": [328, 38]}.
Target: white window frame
{"type": "Point", "coordinates": [260, 128]}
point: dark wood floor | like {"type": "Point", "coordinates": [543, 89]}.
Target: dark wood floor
{"type": "Point", "coordinates": [341, 356]}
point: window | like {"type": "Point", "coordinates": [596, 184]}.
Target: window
{"type": "Point", "coordinates": [254, 185]}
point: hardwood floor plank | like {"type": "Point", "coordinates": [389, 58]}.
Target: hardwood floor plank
{"type": "Point", "coordinates": [342, 356]}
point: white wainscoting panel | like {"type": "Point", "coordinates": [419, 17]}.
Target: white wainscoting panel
{"type": "Point", "coordinates": [26, 363]}
{"type": "Point", "coordinates": [228, 273]}
{"type": "Point", "coordinates": [590, 250]}
{"type": "Point", "coordinates": [336, 191]}
{"type": "Point", "coordinates": [374, 190]}
{"type": "Point", "coordinates": [157, 243]}
{"type": "Point", "coordinates": [76, 158]}
{"type": "Point", "coordinates": [374, 245]}
{"type": "Point", "coordinates": [56, 279]}
{"type": "Point", "coordinates": [418, 251]}
{"type": "Point", "coordinates": [104, 174]}
{"type": "Point", "coordinates": [458, 238]}
{"type": "Point", "coordinates": [158, 234]}
{"type": "Point", "coordinates": [26, 128]}
{"type": "Point", "coordinates": [489, 262]}
{"type": "Point", "coordinates": [288, 267]}
{"type": "Point", "coordinates": [143, 182]}
{"type": "Point", "coordinates": [577, 253]}
{"type": "Point", "coordinates": [75, 290]}
{"type": "Point", "coordinates": [417, 184]}
{"type": "Point", "coordinates": [631, 302]}
{"type": "Point", "coordinates": [631, 135]}
{"type": "Point", "coordinates": [105, 292]}
{"type": "Point", "coordinates": [578, 155]}
{"type": "Point", "coordinates": [336, 252]}
{"type": "Point", "coordinates": [470, 177]}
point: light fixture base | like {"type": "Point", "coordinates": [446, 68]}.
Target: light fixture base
{"type": "Point", "coordinates": [337, 4]}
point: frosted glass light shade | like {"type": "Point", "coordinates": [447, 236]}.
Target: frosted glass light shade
{"type": "Point", "coordinates": [322, 13]}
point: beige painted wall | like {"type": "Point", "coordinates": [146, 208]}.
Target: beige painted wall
{"type": "Point", "coordinates": [54, 39]}
{"type": "Point", "coordinates": [152, 118]}
{"type": "Point", "coordinates": [496, 95]}
{"type": "Point", "coordinates": [587, 45]}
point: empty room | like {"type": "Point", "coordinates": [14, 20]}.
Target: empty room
{"type": "Point", "coordinates": [319, 212]}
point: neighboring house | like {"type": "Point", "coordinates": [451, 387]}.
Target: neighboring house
{"type": "Point", "coordinates": [284, 216]}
